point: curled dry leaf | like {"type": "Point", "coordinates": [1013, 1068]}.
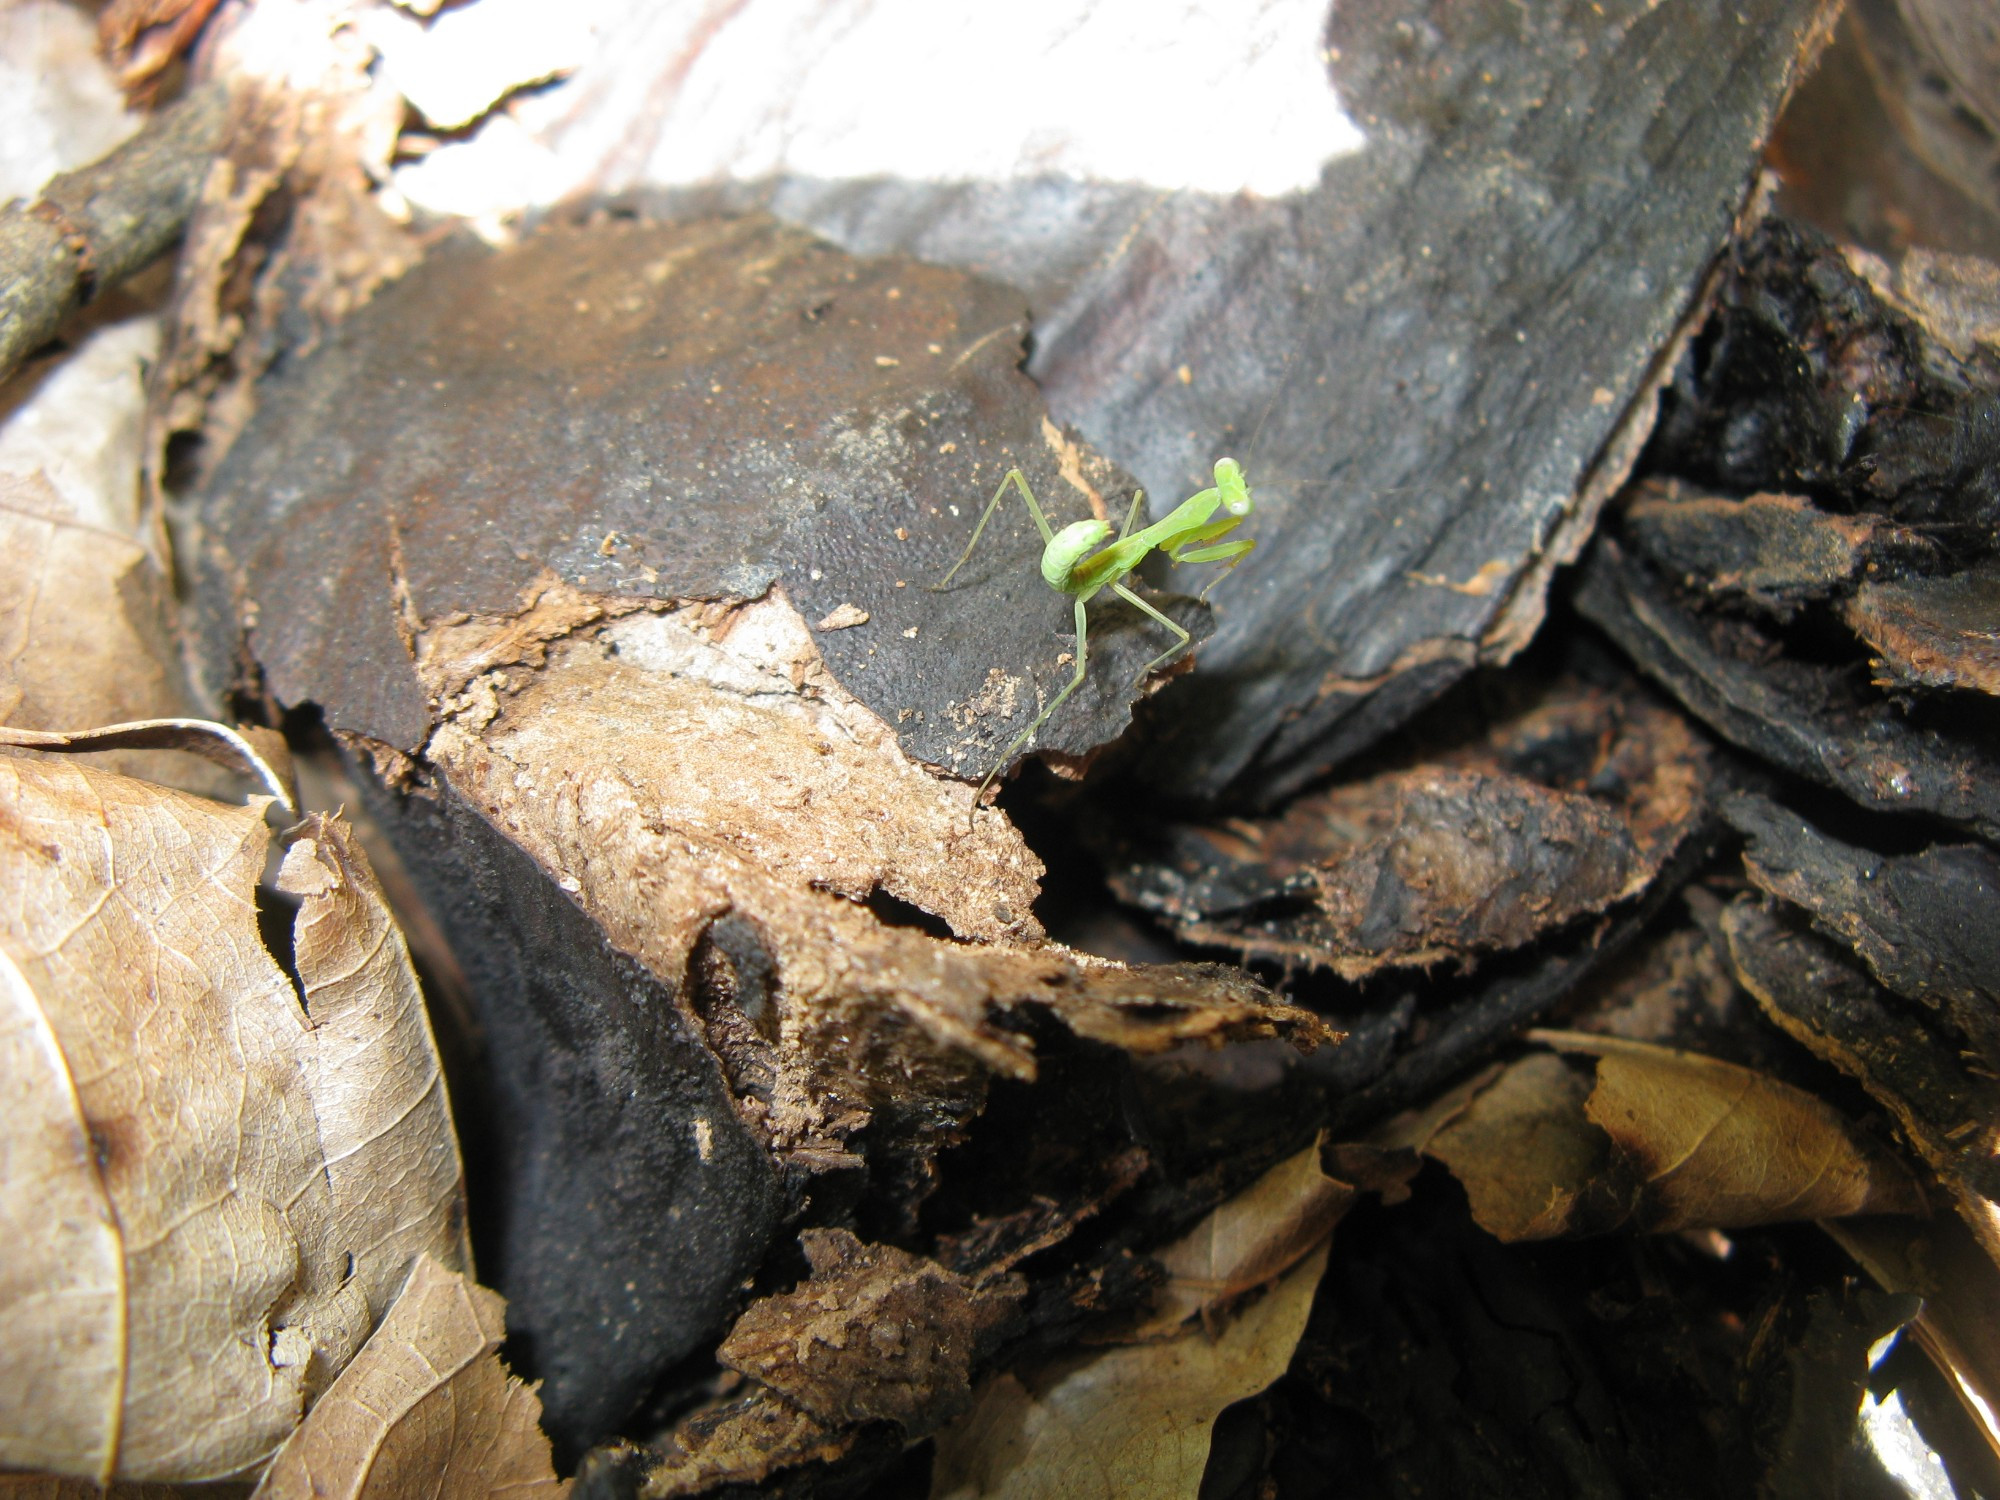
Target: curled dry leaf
{"type": "Point", "coordinates": [243, 1188]}
{"type": "Point", "coordinates": [250, 750]}
{"type": "Point", "coordinates": [87, 632]}
{"type": "Point", "coordinates": [1716, 1145]}
{"type": "Point", "coordinates": [1136, 1420]}
{"type": "Point", "coordinates": [1517, 1139]}
{"type": "Point", "coordinates": [1246, 1242]}
{"type": "Point", "coordinates": [425, 1411]}
{"type": "Point", "coordinates": [1665, 1140]}
{"type": "Point", "coordinates": [1127, 1421]}
{"type": "Point", "coordinates": [1949, 1110]}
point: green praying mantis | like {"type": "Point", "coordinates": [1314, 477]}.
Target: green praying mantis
{"type": "Point", "coordinates": [1071, 566]}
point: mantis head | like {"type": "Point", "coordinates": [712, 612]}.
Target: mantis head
{"type": "Point", "coordinates": [1232, 487]}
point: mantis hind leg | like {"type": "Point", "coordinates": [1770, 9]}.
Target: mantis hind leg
{"type": "Point", "coordinates": [1075, 682]}
{"type": "Point", "coordinates": [1175, 649]}
{"type": "Point", "coordinates": [1020, 481]}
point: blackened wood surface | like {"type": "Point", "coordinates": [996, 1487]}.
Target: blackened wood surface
{"type": "Point", "coordinates": [699, 411]}
{"type": "Point", "coordinates": [623, 1201]}
{"type": "Point", "coordinates": [1421, 361]}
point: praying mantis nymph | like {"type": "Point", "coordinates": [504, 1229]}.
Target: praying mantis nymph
{"type": "Point", "coordinates": [1070, 566]}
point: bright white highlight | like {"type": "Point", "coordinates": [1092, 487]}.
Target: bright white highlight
{"type": "Point", "coordinates": [1214, 96]}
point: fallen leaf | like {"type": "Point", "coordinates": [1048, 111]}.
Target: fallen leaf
{"type": "Point", "coordinates": [1530, 1161]}
{"type": "Point", "coordinates": [219, 1270]}
{"type": "Point", "coordinates": [1127, 1421]}
{"type": "Point", "coordinates": [1820, 995]}
{"type": "Point", "coordinates": [1246, 1242]}
{"type": "Point", "coordinates": [1720, 1146]}
{"type": "Point", "coordinates": [385, 1128]}
{"type": "Point", "coordinates": [87, 623]}
{"type": "Point", "coordinates": [425, 1411]}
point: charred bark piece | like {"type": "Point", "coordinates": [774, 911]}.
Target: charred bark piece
{"type": "Point", "coordinates": [1924, 923]}
{"type": "Point", "coordinates": [1804, 716]}
{"type": "Point", "coordinates": [1824, 372]}
{"type": "Point", "coordinates": [580, 547]}
{"type": "Point", "coordinates": [1934, 632]}
{"type": "Point", "coordinates": [630, 1202]}
{"type": "Point", "coordinates": [1769, 554]}
{"type": "Point", "coordinates": [1555, 813]}
{"type": "Point", "coordinates": [1815, 991]}
{"type": "Point", "coordinates": [1375, 346]}
{"type": "Point", "coordinates": [1868, 398]}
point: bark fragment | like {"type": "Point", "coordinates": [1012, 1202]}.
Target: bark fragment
{"type": "Point", "coordinates": [876, 1335]}
{"type": "Point", "coordinates": [1556, 812]}
{"type": "Point", "coordinates": [1922, 922]}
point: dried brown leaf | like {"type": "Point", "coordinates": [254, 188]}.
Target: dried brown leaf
{"type": "Point", "coordinates": [1531, 1163]}
{"type": "Point", "coordinates": [378, 1093]}
{"type": "Point", "coordinates": [223, 1273]}
{"type": "Point", "coordinates": [1819, 994]}
{"type": "Point", "coordinates": [1250, 1240]}
{"type": "Point", "coordinates": [1127, 1421]}
{"type": "Point", "coordinates": [258, 753]}
{"type": "Point", "coordinates": [86, 634]}
{"type": "Point", "coordinates": [1722, 1146]}
{"type": "Point", "coordinates": [426, 1410]}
